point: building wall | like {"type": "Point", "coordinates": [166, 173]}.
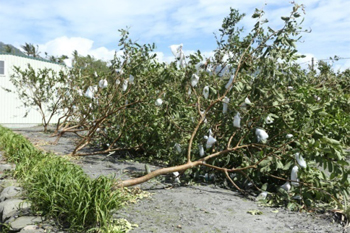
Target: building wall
{"type": "Point", "coordinates": [11, 108]}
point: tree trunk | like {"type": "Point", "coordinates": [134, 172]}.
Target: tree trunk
{"type": "Point", "coordinates": [162, 171]}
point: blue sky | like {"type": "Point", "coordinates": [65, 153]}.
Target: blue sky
{"type": "Point", "coordinates": [91, 27]}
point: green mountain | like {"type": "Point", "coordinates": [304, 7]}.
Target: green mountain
{"type": "Point", "coordinates": [7, 48]}
{"type": "Point", "coordinates": [10, 49]}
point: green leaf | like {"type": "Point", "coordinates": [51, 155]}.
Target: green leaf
{"type": "Point", "coordinates": [279, 164]}
{"type": "Point", "coordinates": [255, 212]}
{"type": "Point", "coordinates": [212, 90]}
{"type": "Point", "coordinates": [323, 113]}
{"type": "Point", "coordinates": [264, 187]}
{"type": "Point", "coordinates": [291, 206]}
{"type": "Point", "coordinates": [317, 134]}
{"type": "Point", "coordinates": [255, 15]}
{"type": "Point", "coordinates": [265, 162]}
{"type": "Point", "coordinates": [330, 141]}
{"type": "Point", "coordinates": [330, 166]}
{"type": "Point", "coordinates": [342, 163]}
{"type": "Point", "coordinates": [287, 166]}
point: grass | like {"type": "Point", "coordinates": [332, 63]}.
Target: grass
{"type": "Point", "coordinates": [61, 190]}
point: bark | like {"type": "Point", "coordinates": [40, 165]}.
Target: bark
{"type": "Point", "coordinates": [162, 171]}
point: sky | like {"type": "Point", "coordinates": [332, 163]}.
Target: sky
{"type": "Point", "coordinates": [91, 27]}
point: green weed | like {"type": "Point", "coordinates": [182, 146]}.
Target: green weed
{"type": "Point", "coordinates": [60, 189]}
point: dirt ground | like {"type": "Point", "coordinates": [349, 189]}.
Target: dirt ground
{"type": "Point", "coordinates": [187, 208]}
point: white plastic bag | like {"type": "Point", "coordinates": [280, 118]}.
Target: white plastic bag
{"type": "Point", "coordinates": [131, 79]}
{"type": "Point", "coordinates": [294, 176]}
{"type": "Point", "coordinates": [206, 92]}
{"type": "Point", "coordinates": [194, 80]}
{"type": "Point", "coordinates": [201, 150]}
{"type": "Point", "coordinates": [159, 102]}
{"type": "Point", "coordinates": [286, 186]}
{"type": "Point", "coordinates": [210, 141]}
{"type": "Point", "coordinates": [225, 104]}
{"type": "Point", "coordinates": [268, 120]}
{"type": "Point", "coordinates": [178, 148]}
{"type": "Point", "coordinates": [176, 50]}
{"type": "Point", "coordinates": [261, 135]}
{"type": "Point", "coordinates": [300, 160]}
{"type": "Point", "coordinates": [237, 120]}
{"type": "Point", "coordinates": [103, 83]}
{"type": "Point", "coordinates": [125, 85]}
{"type": "Point", "coordinates": [246, 102]}
{"type": "Point", "coordinates": [229, 82]}
{"type": "Point", "coordinates": [89, 92]}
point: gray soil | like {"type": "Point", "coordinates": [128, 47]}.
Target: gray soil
{"type": "Point", "coordinates": [187, 208]}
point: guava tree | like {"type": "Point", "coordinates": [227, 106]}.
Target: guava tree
{"type": "Point", "coordinates": [83, 72]}
{"type": "Point", "coordinates": [249, 116]}
{"type": "Point", "coordinates": [39, 89]}
{"type": "Point", "coordinates": [96, 96]}
{"type": "Point", "coordinates": [256, 116]}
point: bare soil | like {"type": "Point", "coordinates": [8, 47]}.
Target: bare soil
{"type": "Point", "coordinates": [186, 208]}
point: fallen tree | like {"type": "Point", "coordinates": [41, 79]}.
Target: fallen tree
{"type": "Point", "coordinates": [249, 115]}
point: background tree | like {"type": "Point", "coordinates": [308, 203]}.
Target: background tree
{"type": "Point", "coordinates": [8, 49]}
{"type": "Point", "coordinates": [39, 89]}
{"type": "Point", "coordinates": [84, 75]}
{"type": "Point", "coordinates": [57, 59]}
{"type": "Point", "coordinates": [31, 50]}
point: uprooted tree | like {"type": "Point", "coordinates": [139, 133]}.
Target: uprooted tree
{"type": "Point", "coordinates": [249, 115]}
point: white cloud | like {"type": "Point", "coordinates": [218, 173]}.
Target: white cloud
{"type": "Point", "coordinates": [92, 27]}
{"type": "Point", "coordinates": [330, 27]}
{"type": "Point", "coordinates": [342, 65]}
{"type": "Point", "coordinates": [66, 46]}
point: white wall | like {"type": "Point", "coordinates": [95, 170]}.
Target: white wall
{"type": "Point", "coordinates": [11, 108]}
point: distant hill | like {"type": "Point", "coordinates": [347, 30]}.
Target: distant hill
{"type": "Point", "coordinates": [4, 49]}
{"type": "Point", "coordinates": [10, 49]}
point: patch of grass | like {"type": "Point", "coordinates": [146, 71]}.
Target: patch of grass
{"type": "Point", "coordinates": [60, 189]}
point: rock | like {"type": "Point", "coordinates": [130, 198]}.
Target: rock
{"type": "Point", "coordinates": [24, 221]}
{"type": "Point", "coordinates": [10, 207]}
{"type": "Point", "coordinates": [32, 229]}
{"type": "Point", "coordinates": [10, 192]}
{"type": "Point", "coordinates": [6, 167]}
{"type": "Point", "coordinates": [8, 182]}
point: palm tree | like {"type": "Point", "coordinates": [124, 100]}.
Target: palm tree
{"type": "Point", "coordinates": [53, 59]}
{"type": "Point", "coordinates": [31, 50]}
{"type": "Point", "coordinates": [27, 47]}
{"type": "Point", "coordinates": [75, 57]}
{"type": "Point", "coordinates": [62, 58]}
{"type": "Point", "coordinates": [35, 51]}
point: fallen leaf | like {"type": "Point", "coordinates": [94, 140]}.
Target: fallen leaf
{"type": "Point", "coordinates": [254, 212]}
